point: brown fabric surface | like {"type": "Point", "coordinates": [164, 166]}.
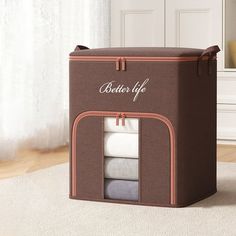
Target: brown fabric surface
{"type": "Point", "coordinates": [175, 91]}
{"type": "Point", "coordinates": [154, 162]}
{"type": "Point", "coordinates": [139, 51]}
{"type": "Point", "coordinates": [196, 143]}
{"type": "Point", "coordinates": [89, 155]}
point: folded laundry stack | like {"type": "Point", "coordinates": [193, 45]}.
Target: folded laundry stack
{"type": "Point", "coordinates": [121, 159]}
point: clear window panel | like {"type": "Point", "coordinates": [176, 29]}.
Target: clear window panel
{"type": "Point", "coordinates": [121, 158]}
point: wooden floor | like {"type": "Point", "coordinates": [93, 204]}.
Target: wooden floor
{"type": "Point", "coordinates": [32, 160]}
{"type": "Point", "coordinates": [226, 153]}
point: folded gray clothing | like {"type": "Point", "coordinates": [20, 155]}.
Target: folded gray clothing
{"type": "Point", "coordinates": [121, 168]}
{"type": "Point", "coordinates": [121, 189]}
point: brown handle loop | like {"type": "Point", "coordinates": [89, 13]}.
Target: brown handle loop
{"type": "Point", "coordinates": [210, 52]}
{"type": "Point", "coordinates": [80, 47]}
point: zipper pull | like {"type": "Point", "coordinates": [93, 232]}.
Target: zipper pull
{"type": "Point", "coordinates": [123, 119]}
{"type": "Point", "coordinates": [117, 119]}
{"type": "Point", "coordinates": [123, 64]}
{"type": "Point", "coordinates": [118, 63]}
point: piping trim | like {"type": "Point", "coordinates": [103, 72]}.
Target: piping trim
{"type": "Point", "coordinates": [157, 116]}
{"type": "Point", "coordinates": [138, 58]}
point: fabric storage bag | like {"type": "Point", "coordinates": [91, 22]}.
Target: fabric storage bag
{"type": "Point", "coordinates": [154, 106]}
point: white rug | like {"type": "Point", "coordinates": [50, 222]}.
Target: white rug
{"type": "Point", "coordinates": [38, 204]}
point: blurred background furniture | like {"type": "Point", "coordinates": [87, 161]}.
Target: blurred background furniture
{"type": "Point", "coordinates": [185, 23]}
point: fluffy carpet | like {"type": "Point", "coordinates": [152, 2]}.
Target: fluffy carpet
{"type": "Point", "coordinates": [38, 204]}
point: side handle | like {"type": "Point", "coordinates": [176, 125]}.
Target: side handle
{"type": "Point", "coordinates": [80, 47]}
{"type": "Point", "coordinates": [210, 52]}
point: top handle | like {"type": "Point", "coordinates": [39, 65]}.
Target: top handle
{"type": "Point", "coordinates": [210, 52]}
{"type": "Point", "coordinates": [80, 47]}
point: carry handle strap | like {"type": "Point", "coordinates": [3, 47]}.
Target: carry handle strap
{"type": "Point", "coordinates": [210, 52]}
{"type": "Point", "coordinates": [80, 47]}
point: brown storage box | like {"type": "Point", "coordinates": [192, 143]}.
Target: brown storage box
{"type": "Point", "coordinates": [172, 92]}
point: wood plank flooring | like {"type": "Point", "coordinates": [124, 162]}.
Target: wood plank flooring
{"type": "Point", "coordinates": [32, 160]}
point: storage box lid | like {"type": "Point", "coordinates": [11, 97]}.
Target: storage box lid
{"type": "Point", "coordinates": [145, 51]}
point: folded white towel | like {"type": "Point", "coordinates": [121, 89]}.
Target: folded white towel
{"type": "Point", "coordinates": [121, 145]}
{"type": "Point", "coordinates": [131, 125]}
{"type": "Point", "coordinates": [121, 168]}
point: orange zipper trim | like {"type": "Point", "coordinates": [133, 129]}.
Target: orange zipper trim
{"type": "Point", "coordinates": [120, 61]}
{"type": "Point", "coordinates": [124, 115]}
{"type": "Point", "coordinates": [136, 58]}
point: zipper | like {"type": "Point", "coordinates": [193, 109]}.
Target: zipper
{"type": "Point", "coordinates": [122, 116]}
{"type": "Point", "coordinates": [120, 61]}
{"type": "Point", "coordinates": [117, 119]}
{"type": "Point", "coordinates": [136, 58]}
{"type": "Point", "coordinates": [123, 63]}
